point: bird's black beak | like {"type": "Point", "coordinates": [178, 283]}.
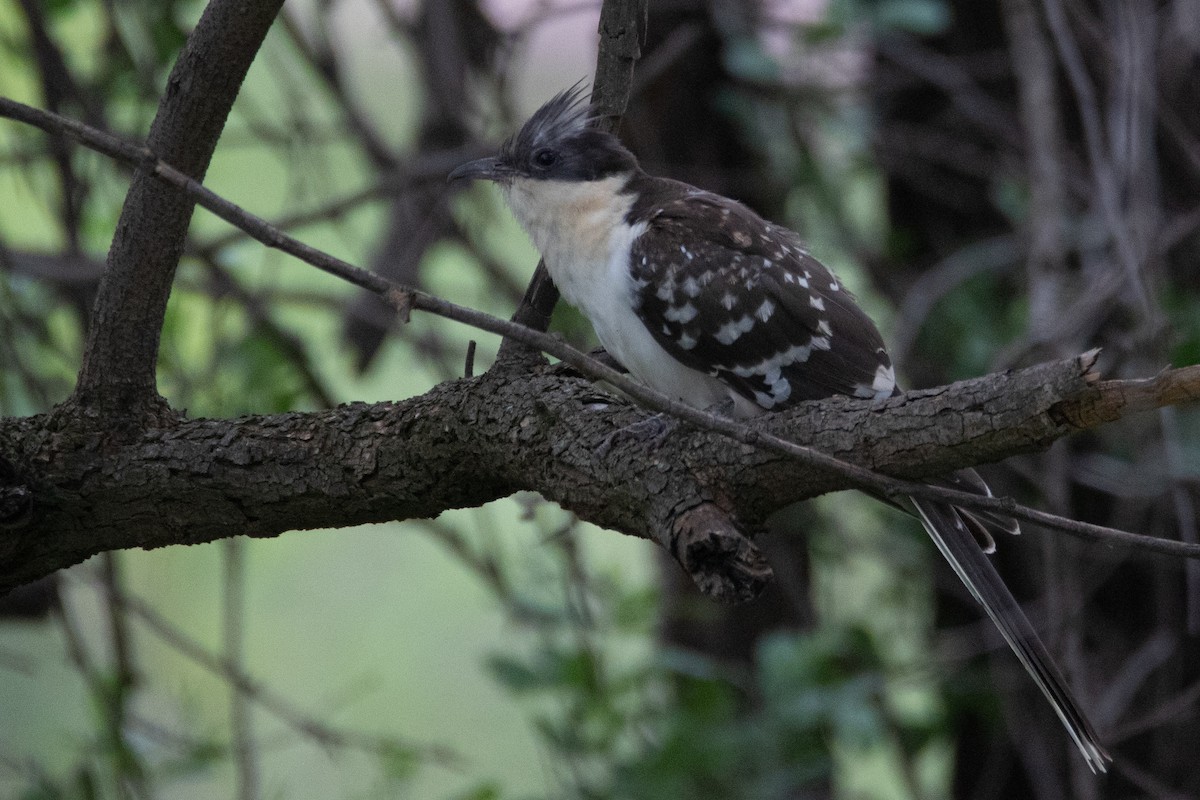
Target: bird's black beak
{"type": "Point", "coordinates": [487, 169]}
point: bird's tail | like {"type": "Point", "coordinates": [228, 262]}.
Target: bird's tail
{"type": "Point", "coordinates": [962, 536]}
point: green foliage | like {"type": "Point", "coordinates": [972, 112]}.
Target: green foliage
{"type": "Point", "coordinates": [715, 741]}
{"type": "Point", "coordinates": [967, 324]}
{"type": "Point", "coordinates": [79, 786]}
{"type": "Point", "coordinates": [679, 725]}
{"type": "Point", "coordinates": [40, 344]}
{"type": "Point", "coordinates": [484, 791]}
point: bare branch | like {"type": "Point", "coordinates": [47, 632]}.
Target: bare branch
{"type": "Point", "coordinates": [117, 378]}
{"type": "Point", "coordinates": [471, 441]}
{"type": "Point", "coordinates": [1107, 193]}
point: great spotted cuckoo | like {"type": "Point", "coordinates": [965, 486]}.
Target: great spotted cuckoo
{"type": "Point", "coordinates": [707, 302]}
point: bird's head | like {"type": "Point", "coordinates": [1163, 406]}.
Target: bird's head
{"type": "Point", "coordinates": [555, 144]}
{"type": "Point", "coordinates": [564, 180]}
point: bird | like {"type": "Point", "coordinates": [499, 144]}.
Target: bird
{"type": "Point", "coordinates": [705, 301]}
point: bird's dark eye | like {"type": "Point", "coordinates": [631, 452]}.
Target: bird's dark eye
{"type": "Point", "coordinates": [545, 158]}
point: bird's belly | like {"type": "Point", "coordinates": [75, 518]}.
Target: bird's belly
{"type": "Point", "coordinates": [596, 281]}
{"type": "Point", "coordinates": [631, 344]}
{"type": "Point", "coordinates": [627, 340]}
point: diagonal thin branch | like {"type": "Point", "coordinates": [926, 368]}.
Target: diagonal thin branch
{"type": "Point", "coordinates": [268, 698]}
{"type": "Point", "coordinates": [1171, 387]}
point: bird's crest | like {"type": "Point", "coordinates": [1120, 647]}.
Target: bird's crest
{"type": "Point", "coordinates": [565, 114]}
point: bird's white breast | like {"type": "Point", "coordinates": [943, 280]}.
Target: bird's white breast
{"type": "Point", "coordinates": [579, 228]}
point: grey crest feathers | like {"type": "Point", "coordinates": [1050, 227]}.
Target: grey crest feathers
{"type": "Point", "coordinates": [565, 114]}
{"type": "Point", "coordinates": [559, 143]}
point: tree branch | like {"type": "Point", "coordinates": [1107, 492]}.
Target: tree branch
{"type": "Point", "coordinates": [475, 440]}
{"type": "Point", "coordinates": [701, 526]}
{"type": "Point", "coordinates": [117, 377]}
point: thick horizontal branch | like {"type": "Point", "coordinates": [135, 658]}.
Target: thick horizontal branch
{"type": "Point", "coordinates": [707, 538]}
{"type": "Point", "coordinates": [471, 441]}
{"type": "Point", "coordinates": [405, 299]}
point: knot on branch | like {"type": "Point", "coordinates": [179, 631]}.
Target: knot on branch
{"type": "Point", "coordinates": [720, 558]}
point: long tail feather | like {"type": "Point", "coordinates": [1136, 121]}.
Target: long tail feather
{"type": "Point", "coordinates": [958, 544]}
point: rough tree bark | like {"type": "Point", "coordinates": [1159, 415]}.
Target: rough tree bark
{"type": "Point", "coordinates": [72, 493]}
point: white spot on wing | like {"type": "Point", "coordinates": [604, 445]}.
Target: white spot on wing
{"type": "Point", "coordinates": [796, 354]}
{"type": "Point", "coordinates": [685, 313]}
{"type": "Point", "coordinates": [765, 310]}
{"type": "Point", "coordinates": [885, 381]}
{"type": "Point", "coordinates": [730, 331]}
{"type": "Point", "coordinates": [816, 302]}
{"type": "Point", "coordinates": [770, 368]}
{"type": "Point", "coordinates": [881, 386]}
{"type": "Point", "coordinates": [781, 390]}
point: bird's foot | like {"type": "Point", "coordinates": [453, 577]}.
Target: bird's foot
{"type": "Point", "coordinates": [654, 430]}
{"type": "Point", "coordinates": [722, 408]}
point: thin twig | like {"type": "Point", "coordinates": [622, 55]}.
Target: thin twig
{"type": "Point", "coordinates": [266, 697]}
{"type": "Point", "coordinates": [118, 693]}
{"type": "Point", "coordinates": [414, 171]}
{"type": "Point", "coordinates": [245, 750]}
{"type": "Point", "coordinates": [1107, 194]}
